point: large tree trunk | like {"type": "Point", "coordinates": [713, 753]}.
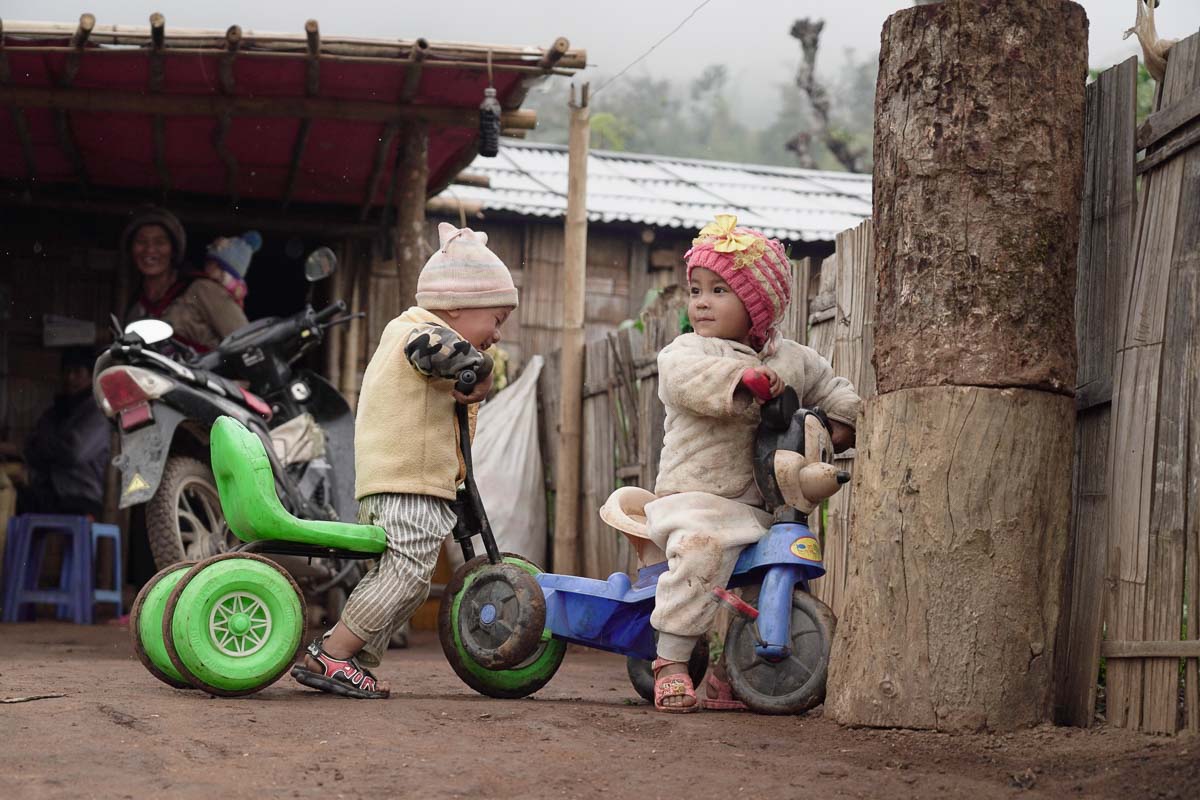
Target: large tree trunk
{"type": "Point", "coordinates": [955, 561]}
{"type": "Point", "coordinates": [963, 483]}
{"type": "Point", "coordinates": [979, 113]}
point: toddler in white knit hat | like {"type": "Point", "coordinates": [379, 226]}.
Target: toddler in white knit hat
{"type": "Point", "coordinates": [406, 457]}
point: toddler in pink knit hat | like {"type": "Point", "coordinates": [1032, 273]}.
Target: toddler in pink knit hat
{"type": "Point", "coordinates": [406, 458]}
{"type": "Point", "coordinates": [708, 506]}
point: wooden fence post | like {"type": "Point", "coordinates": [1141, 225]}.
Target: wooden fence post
{"type": "Point", "coordinates": [1105, 236]}
{"type": "Point", "coordinates": [1154, 462]}
{"type": "Point", "coordinates": [566, 498]}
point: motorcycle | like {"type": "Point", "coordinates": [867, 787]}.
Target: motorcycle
{"type": "Point", "coordinates": [164, 398]}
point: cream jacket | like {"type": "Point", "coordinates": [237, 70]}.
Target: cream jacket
{"type": "Point", "coordinates": [405, 434]}
{"type": "Point", "coordinates": [709, 433]}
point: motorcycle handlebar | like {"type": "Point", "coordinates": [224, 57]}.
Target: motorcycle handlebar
{"type": "Point", "coordinates": [329, 312]}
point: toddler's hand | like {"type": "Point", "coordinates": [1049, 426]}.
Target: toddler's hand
{"type": "Point", "coordinates": [763, 382]}
{"type": "Point", "coordinates": [842, 435]}
{"type": "Point", "coordinates": [478, 393]}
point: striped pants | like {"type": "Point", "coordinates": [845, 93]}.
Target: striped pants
{"type": "Point", "coordinates": [395, 588]}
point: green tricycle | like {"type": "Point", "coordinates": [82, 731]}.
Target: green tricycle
{"type": "Point", "coordinates": [230, 625]}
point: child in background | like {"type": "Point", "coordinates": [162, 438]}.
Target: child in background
{"type": "Point", "coordinates": [708, 505]}
{"type": "Point", "coordinates": [228, 261]}
{"type": "Point", "coordinates": [406, 457]}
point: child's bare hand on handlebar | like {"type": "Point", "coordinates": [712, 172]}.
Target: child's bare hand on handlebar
{"type": "Point", "coordinates": [478, 393]}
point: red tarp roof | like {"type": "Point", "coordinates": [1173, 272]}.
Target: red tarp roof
{"type": "Point", "coordinates": [110, 108]}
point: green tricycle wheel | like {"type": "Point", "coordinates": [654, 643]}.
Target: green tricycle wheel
{"type": "Point", "coordinates": [145, 624]}
{"type": "Point", "coordinates": [233, 624]}
{"type": "Point", "coordinates": [523, 679]}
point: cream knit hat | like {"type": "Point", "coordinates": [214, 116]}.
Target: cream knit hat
{"type": "Point", "coordinates": [464, 273]}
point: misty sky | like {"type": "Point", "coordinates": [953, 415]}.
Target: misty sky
{"type": "Point", "coordinates": [750, 36]}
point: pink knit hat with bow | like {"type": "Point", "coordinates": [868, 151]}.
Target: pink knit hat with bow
{"type": "Point", "coordinates": [755, 267]}
{"type": "Point", "coordinates": [463, 273]}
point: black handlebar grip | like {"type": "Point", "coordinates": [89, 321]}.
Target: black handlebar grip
{"type": "Point", "coordinates": [469, 377]}
{"type": "Point", "coordinates": [330, 312]}
{"type": "Point", "coordinates": [466, 381]}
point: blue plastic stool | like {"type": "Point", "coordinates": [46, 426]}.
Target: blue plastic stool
{"type": "Point", "coordinates": [76, 592]}
{"type": "Point", "coordinates": [113, 534]}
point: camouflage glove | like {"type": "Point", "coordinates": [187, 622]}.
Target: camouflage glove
{"type": "Point", "coordinates": [439, 352]}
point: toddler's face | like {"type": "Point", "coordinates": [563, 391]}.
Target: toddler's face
{"type": "Point", "coordinates": [714, 310]}
{"type": "Point", "coordinates": [479, 326]}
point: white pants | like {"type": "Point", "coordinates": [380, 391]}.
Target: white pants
{"type": "Point", "coordinates": [702, 535]}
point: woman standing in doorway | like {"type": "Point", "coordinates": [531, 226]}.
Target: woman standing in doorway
{"type": "Point", "coordinates": [200, 309]}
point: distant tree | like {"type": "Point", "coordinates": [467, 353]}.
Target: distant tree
{"type": "Point", "coordinates": [849, 147]}
{"type": "Point", "coordinates": [610, 131]}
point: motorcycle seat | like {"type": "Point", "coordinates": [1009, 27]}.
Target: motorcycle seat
{"type": "Point", "coordinates": [246, 485]}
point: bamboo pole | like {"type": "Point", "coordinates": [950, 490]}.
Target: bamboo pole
{"type": "Point", "coordinates": [446, 53]}
{"type": "Point", "coordinates": [354, 281]}
{"type": "Point", "coordinates": [312, 85]}
{"type": "Point", "coordinates": [432, 63]}
{"type": "Point", "coordinates": [119, 102]}
{"type": "Point", "coordinates": [381, 159]}
{"type": "Point", "coordinates": [566, 501]}
{"type": "Point", "coordinates": [410, 212]}
{"type": "Point", "coordinates": [62, 117]}
{"type": "Point", "coordinates": [412, 70]}
{"type": "Point", "coordinates": [554, 53]}
{"type": "Point", "coordinates": [17, 114]}
{"type": "Point", "coordinates": [337, 333]}
{"type": "Point", "coordinates": [158, 37]}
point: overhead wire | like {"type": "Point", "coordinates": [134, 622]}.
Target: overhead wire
{"type": "Point", "coordinates": [654, 46]}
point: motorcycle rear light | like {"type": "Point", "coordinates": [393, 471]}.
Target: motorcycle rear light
{"type": "Point", "coordinates": [136, 416]}
{"type": "Point", "coordinates": [121, 390]}
{"type": "Point", "coordinates": [122, 387]}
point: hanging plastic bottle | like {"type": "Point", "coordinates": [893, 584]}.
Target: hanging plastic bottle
{"type": "Point", "coordinates": [489, 124]}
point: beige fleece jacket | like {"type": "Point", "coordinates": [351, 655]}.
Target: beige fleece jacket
{"type": "Point", "coordinates": [405, 434]}
{"type": "Point", "coordinates": [709, 433]}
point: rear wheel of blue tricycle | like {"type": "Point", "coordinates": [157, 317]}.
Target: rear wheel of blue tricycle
{"type": "Point", "coordinates": [525, 678]}
{"type": "Point", "coordinates": [794, 684]}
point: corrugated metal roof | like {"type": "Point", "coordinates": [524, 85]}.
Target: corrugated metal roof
{"type": "Point", "coordinates": [664, 191]}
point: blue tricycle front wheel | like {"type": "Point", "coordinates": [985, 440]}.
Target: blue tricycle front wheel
{"type": "Point", "coordinates": [794, 684]}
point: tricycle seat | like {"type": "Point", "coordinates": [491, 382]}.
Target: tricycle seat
{"type": "Point", "coordinates": [246, 484]}
{"type": "Point", "coordinates": [625, 510]}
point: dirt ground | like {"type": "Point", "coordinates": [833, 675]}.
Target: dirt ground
{"type": "Point", "coordinates": [120, 733]}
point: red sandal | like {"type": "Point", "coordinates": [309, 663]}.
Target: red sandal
{"type": "Point", "coordinates": [345, 677]}
{"type": "Point", "coordinates": [724, 700]}
{"type": "Point", "coordinates": [676, 685]}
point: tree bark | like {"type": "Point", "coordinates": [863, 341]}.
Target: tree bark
{"type": "Point", "coordinates": [962, 486]}
{"type": "Point", "coordinates": [959, 539]}
{"type": "Point", "coordinates": [979, 116]}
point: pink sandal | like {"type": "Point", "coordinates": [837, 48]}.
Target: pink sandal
{"type": "Point", "coordinates": [724, 700]}
{"type": "Point", "coordinates": [677, 685]}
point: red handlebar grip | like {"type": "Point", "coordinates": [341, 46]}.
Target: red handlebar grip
{"type": "Point", "coordinates": [758, 384]}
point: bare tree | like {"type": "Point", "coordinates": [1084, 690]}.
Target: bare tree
{"type": "Point", "coordinates": [836, 140]}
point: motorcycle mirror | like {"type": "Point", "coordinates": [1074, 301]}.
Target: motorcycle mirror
{"type": "Point", "coordinates": [320, 264]}
{"type": "Point", "coordinates": [151, 331]}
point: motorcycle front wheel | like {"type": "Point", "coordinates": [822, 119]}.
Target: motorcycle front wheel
{"type": "Point", "coordinates": [184, 520]}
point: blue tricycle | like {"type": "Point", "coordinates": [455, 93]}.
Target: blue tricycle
{"type": "Point", "coordinates": [506, 635]}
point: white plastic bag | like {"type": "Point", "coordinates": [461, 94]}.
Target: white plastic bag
{"type": "Point", "coordinates": [508, 469]}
